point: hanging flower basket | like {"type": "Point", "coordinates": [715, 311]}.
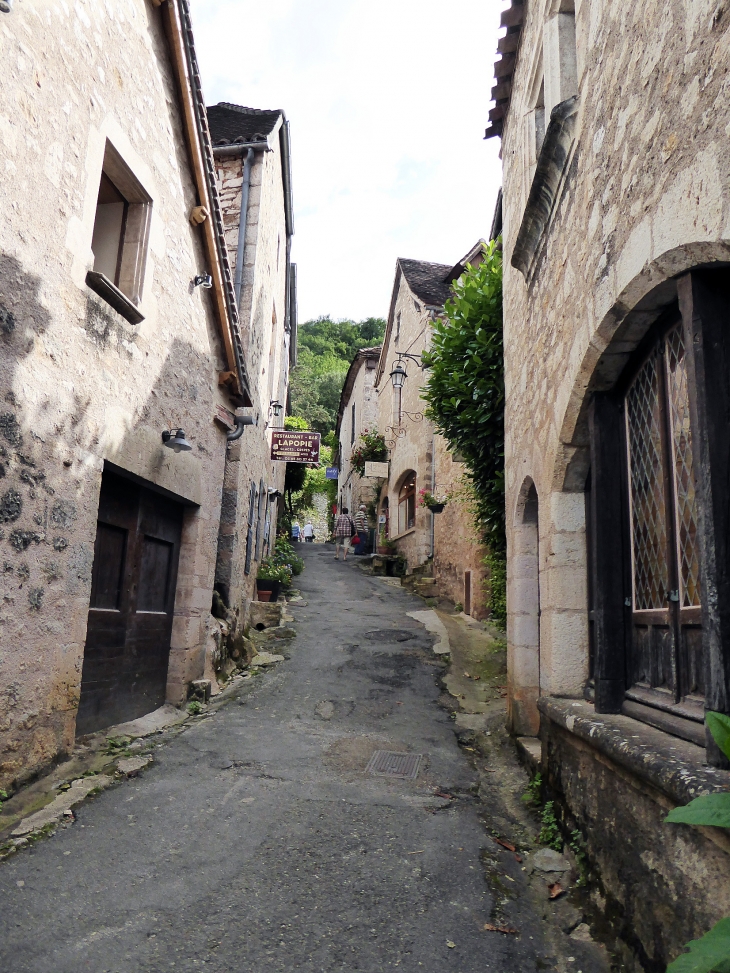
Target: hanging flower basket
{"type": "Point", "coordinates": [370, 449]}
{"type": "Point", "coordinates": [435, 502]}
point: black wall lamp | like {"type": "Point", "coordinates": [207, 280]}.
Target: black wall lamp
{"type": "Point", "coordinates": [275, 406]}
{"type": "Point", "coordinates": [274, 495]}
{"type": "Point", "coordinates": [203, 280]}
{"type": "Point", "coordinates": [399, 375]}
{"type": "Point", "coordinates": [175, 439]}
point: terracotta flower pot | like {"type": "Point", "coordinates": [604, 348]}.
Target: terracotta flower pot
{"type": "Point", "coordinates": [264, 586]}
{"type": "Point", "coordinates": [264, 595]}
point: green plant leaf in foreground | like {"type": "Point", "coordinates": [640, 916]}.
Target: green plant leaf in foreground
{"type": "Point", "coordinates": [712, 810]}
{"type": "Point", "coordinates": [719, 724]}
{"type": "Point", "coordinates": [711, 954]}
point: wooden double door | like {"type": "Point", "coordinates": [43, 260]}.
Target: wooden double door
{"type": "Point", "coordinates": [133, 584]}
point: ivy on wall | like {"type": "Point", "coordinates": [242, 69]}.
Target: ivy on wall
{"type": "Point", "coordinates": [465, 395]}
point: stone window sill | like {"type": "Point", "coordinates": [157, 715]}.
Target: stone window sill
{"type": "Point", "coordinates": [675, 767]}
{"type": "Point", "coordinates": [102, 286]}
{"type": "Point", "coordinates": [411, 530]}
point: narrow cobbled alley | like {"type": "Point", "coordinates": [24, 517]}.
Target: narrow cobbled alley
{"type": "Point", "coordinates": [258, 840]}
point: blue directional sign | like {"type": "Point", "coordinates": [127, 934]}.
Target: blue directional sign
{"type": "Point", "coordinates": [331, 472]}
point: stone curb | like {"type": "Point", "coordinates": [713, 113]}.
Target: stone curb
{"type": "Point", "coordinates": [52, 813]}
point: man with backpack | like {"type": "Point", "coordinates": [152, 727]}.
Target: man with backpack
{"type": "Point", "coordinates": [344, 529]}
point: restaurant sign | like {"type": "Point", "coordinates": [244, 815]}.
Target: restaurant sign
{"type": "Point", "coordinates": [289, 446]}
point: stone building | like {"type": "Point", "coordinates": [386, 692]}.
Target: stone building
{"type": "Point", "coordinates": [119, 330]}
{"type": "Point", "coordinates": [253, 174]}
{"type": "Point", "coordinates": [444, 545]}
{"type": "Point", "coordinates": [357, 413]}
{"type": "Point", "coordinates": [616, 182]}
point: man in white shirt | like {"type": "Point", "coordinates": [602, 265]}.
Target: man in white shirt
{"type": "Point", "coordinates": [308, 532]}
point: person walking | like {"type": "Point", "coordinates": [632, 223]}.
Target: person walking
{"type": "Point", "coordinates": [361, 526]}
{"type": "Point", "coordinates": [308, 532]}
{"type": "Point", "coordinates": [295, 531]}
{"type": "Point", "coordinates": [344, 529]}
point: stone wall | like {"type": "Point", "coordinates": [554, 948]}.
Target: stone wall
{"type": "Point", "coordinates": [266, 345]}
{"type": "Point", "coordinates": [458, 560]}
{"type": "Point", "coordinates": [644, 195]}
{"type": "Point", "coordinates": [413, 449]}
{"type": "Point", "coordinates": [79, 385]}
{"type": "Point", "coordinates": [352, 488]}
{"type": "Point", "coordinates": [662, 884]}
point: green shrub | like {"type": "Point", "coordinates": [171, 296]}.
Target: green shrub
{"type": "Point", "coordinates": [550, 832]}
{"type": "Point", "coordinates": [496, 585]}
{"type": "Point", "coordinates": [533, 791]}
{"type": "Point", "coordinates": [285, 556]}
{"type": "Point", "coordinates": [465, 388]}
{"type": "Point", "coordinates": [270, 571]}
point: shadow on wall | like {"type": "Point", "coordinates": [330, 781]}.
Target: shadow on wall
{"type": "Point", "coordinates": [54, 432]}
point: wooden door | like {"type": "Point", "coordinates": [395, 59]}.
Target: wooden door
{"type": "Point", "coordinates": [665, 662]}
{"type": "Point", "coordinates": [131, 607]}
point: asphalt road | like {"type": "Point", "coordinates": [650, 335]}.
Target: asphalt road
{"type": "Point", "coordinates": [257, 841]}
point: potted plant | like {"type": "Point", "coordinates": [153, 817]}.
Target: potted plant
{"type": "Point", "coordinates": [435, 502]}
{"type": "Point", "coordinates": [386, 546]}
{"type": "Point", "coordinates": [270, 578]}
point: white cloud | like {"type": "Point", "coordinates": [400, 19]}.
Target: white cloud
{"type": "Point", "coordinates": [388, 102]}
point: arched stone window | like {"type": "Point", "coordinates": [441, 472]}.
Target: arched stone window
{"type": "Point", "coordinates": [407, 503]}
{"type": "Point", "coordinates": [658, 448]}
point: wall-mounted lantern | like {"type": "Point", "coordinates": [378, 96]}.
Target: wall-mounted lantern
{"type": "Point", "coordinates": [203, 280]}
{"type": "Point", "coordinates": [175, 439]}
{"type": "Point", "coordinates": [275, 407]}
{"type": "Point", "coordinates": [398, 375]}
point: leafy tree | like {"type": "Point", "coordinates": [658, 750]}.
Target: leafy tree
{"type": "Point", "coordinates": [465, 392]}
{"type": "Point", "coordinates": [294, 480]}
{"type": "Point", "coordinates": [326, 350]}
{"type": "Point", "coordinates": [465, 388]}
{"type": "Point", "coordinates": [296, 423]}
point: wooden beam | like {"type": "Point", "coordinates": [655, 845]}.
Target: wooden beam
{"type": "Point", "coordinates": [606, 529]}
{"type": "Point", "coordinates": [703, 301]}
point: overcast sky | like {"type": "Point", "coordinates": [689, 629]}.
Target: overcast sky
{"type": "Point", "coordinates": [388, 103]}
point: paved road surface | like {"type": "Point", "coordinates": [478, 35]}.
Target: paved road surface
{"type": "Point", "coordinates": [257, 841]}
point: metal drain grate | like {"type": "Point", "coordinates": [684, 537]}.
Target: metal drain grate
{"type": "Point", "coordinates": [389, 635]}
{"type": "Point", "coordinates": [387, 763]}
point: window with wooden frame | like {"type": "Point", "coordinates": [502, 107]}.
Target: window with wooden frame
{"type": "Point", "coordinates": [666, 588]}
{"type": "Point", "coordinates": [121, 237]}
{"type": "Point", "coordinates": [659, 587]}
{"type": "Point", "coordinates": [407, 504]}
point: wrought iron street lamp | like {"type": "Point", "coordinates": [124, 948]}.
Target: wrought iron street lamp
{"type": "Point", "coordinates": [398, 376]}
